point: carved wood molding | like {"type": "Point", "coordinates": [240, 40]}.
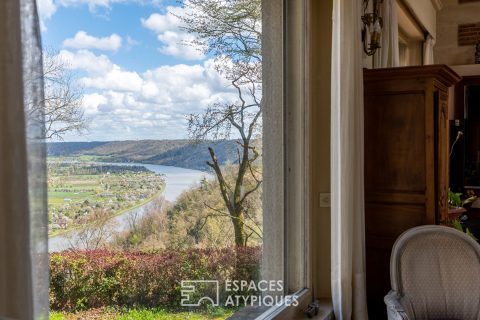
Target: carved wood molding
{"type": "Point", "coordinates": [442, 73]}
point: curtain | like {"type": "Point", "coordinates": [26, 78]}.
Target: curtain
{"type": "Point", "coordinates": [348, 221]}
{"type": "Point", "coordinates": [388, 55]}
{"type": "Point", "coordinates": [23, 233]}
{"type": "Point", "coordinates": [36, 155]}
{"type": "Point", "coordinates": [428, 50]}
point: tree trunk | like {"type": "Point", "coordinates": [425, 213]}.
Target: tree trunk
{"type": "Point", "coordinates": [239, 228]}
{"type": "Point", "coordinates": [233, 202]}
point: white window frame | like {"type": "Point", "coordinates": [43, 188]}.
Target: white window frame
{"type": "Point", "coordinates": [286, 241]}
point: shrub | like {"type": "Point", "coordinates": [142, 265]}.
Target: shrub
{"type": "Point", "coordinates": [94, 279]}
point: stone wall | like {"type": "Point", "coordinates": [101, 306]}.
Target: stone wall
{"type": "Point", "coordinates": [468, 34]}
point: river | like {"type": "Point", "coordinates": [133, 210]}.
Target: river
{"type": "Point", "coordinates": [177, 180]}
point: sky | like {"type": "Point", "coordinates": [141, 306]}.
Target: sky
{"type": "Point", "coordinates": [139, 78]}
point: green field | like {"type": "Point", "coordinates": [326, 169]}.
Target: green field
{"type": "Point", "coordinates": [142, 314]}
{"type": "Point", "coordinates": [57, 198]}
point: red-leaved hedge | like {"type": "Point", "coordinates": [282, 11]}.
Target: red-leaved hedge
{"type": "Point", "coordinates": [93, 279]}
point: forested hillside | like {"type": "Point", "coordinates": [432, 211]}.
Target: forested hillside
{"type": "Point", "coordinates": [179, 153]}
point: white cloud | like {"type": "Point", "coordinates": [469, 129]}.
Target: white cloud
{"type": "Point", "coordinates": [86, 60]}
{"type": "Point", "coordinates": [163, 22]}
{"type": "Point", "coordinates": [198, 83]}
{"type": "Point", "coordinates": [175, 41]}
{"type": "Point", "coordinates": [177, 44]}
{"type": "Point", "coordinates": [115, 79]}
{"type": "Point", "coordinates": [152, 104]}
{"type": "Point", "coordinates": [92, 101]}
{"type": "Point", "coordinates": [82, 40]}
{"type": "Point", "coordinates": [46, 8]}
{"type": "Point", "coordinates": [92, 4]}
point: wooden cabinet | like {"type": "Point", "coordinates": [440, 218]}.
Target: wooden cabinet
{"type": "Point", "coordinates": [406, 162]}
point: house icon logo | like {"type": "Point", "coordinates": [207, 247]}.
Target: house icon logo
{"type": "Point", "coordinates": [197, 292]}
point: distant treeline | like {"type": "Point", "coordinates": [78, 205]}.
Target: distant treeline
{"type": "Point", "coordinates": [99, 169]}
{"type": "Point", "coordinates": [84, 168]}
{"type": "Point", "coordinates": [179, 153]}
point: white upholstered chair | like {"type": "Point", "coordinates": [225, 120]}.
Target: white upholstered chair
{"type": "Point", "coordinates": [435, 274]}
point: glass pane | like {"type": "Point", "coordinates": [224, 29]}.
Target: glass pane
{"type": "Point", "coordinates": [154, 126]}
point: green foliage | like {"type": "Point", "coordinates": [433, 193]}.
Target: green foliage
{"type": "Point", "coordinates": [148, 232]}
{"type": "Point", "coordinates": [457, 224]}
{"type": "Point", "coordinates": [142, 314]}
{"type": "Point", "coordinates": [155, 314]}
{"type": "Point", "coordinates": [81, 280]}
{"type": "Point", "coordinates": [199, 217]}
{"type": "Point", "coordinates": [54, 315]}
{"type": "Point", "coordinates": [454, 200]}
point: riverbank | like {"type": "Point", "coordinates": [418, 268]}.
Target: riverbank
{"type": "Point", "coordinates": [79, 190]}
{"type": "Point", "coordinates": [177, 180]}
{"type": "Point", "coordinates": [116, 214]}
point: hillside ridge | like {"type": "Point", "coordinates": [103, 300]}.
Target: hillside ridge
{"type": "Point", "coordinates": [179, 153]}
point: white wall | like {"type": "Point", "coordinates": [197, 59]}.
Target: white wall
{"type": "Point", "coordinates": [447, 50]}
{"type": "Point", "coordinates": [425, 13]}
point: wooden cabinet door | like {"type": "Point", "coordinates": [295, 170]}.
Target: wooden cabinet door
{"type": "Point", "coordinates": [406, 162]}
{"type": "Point", "coordinates": [396, 143]}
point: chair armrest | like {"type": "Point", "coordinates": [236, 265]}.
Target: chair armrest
{"type": "Point", "coordinates": [395, 309]}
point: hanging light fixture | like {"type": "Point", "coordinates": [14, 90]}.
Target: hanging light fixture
{"type": "Point", "coordinates": [372, 27]}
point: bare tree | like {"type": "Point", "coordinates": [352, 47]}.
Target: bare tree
{"type": "Point", "coordinates": [147, 227]}
{"type": "Point", "coordinates": [94, 232]}
{"type": "Point", "coordinates": [133, 219]}
{"type": "Point", "coordinates": [230, 30]}
{"type": "Point", "coordinates": [62, 104]}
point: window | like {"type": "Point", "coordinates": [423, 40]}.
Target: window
{"type": "Point", "coordinates": [167, 180]}
{"type": "Point", "coordinates": [411, 37]}
{"type": "Point", "coordinates": [104, 196]}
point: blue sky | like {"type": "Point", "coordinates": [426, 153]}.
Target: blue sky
{"type": "Point", "coordinates": [139, 78]}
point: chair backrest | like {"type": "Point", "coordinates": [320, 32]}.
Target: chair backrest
{"type": "Point", "coordinates": [436, 272]}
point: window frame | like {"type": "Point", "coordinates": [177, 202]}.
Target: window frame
{"type": "Point", "coordinates": [410, 35]}
{"type": "Point", "coordinates": [287, 251]}
{"type": "Point", "coordinates": [287, 242]}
